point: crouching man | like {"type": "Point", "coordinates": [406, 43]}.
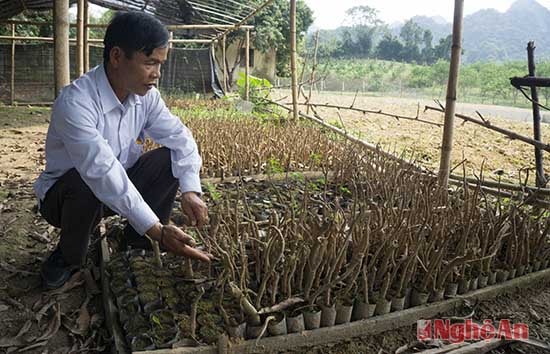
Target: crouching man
{"type": "Point", "coordinates": [94, 167]}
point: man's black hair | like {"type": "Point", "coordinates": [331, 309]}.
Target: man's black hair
{"type": "Point", "coordinates": [134, 32]}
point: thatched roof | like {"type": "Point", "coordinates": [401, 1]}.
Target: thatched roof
{"type": "Point", "coordinates": [218, 12]}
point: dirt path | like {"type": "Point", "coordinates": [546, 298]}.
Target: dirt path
{"type": "Point", "coordinates": [48, 322]}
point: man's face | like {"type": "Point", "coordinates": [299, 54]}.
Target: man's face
{"type": "Point", "coordinates": [140, 73]}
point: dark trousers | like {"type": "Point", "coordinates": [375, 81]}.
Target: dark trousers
{"type": "Point", "coordinates": [71, 205]}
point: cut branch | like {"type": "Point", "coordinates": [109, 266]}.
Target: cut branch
{"type": "Point", "coordinates": [512, 135]}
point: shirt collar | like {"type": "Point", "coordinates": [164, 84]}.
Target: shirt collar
{"type": "Point", "coordinates": [107, 95]}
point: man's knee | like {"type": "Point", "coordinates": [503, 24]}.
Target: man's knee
{"type": "Point", "coordinates": [161, 155]}
{"type": "Point", "coordinates": [159, 160]}
{"type": "Point", "coordinates": [74, 186]}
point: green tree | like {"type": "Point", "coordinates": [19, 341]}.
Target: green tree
{"type": "Point", "coordinates": [443, 49]}
{"type": "Point", "coordinates": [411, 34]}
{"type": "Point", "coordinates": [389, 48]}
{"type": "Point", "coordinates": [31, 30]}
{"type": "Point", "coordinates": [363, 16]}
{"type": "Point", "coordinates": [273, 30]}
{"type": "Point", "coordinates": [427, 50]}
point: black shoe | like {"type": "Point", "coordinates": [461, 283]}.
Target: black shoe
{"type": "Point", "coordinates": [55, 271]}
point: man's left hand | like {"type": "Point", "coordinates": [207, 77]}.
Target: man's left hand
{"type": "Point", "coordinates": [194, 208]}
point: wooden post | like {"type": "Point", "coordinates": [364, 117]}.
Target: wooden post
{"type": "Point", "coordinates": [168, 76]}
{"type": "Point", "coordinates": [86, 36]}
{"type": "Point", "coordinates": [61, 45]}
{"type": "Point", "coordinates": [12, 83]}
{"type": "Point", "coordinates": [293, 59]}
{"type": "Point", "coordinates": [224, 66]}
{"type": "Point", "coordinates": [450, 107]}
{"type": "Point", "coordinates": [247, 67]}
{"type": "Point", "coordinates": [541, 180]}
{"type": "Point", "coordinates": [80, 38]}
{"type": "Point", "coordinates": [313, 68]}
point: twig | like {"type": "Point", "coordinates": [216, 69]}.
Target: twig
{"type": "Point", "coordinates": [379, 112]}
{"type": "Point", "coordinates": [488, 125]}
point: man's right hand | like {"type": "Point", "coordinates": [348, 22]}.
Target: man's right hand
{"type": "Point", "coordinates": [176, 241]}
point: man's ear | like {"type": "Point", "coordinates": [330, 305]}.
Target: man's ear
{"type": "Point", "coordinates": [115, 56]}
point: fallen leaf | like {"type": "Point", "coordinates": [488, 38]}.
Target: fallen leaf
{"type": "Point", "coordinates": [91, 285]}
{"type": "Point", "coordinates": [83, 320]}
{"type": "Point", "coordinates": [24, 329]}
{"type": "Point", "coordinates": [44, 309]}
{"type": "Point", "coordinates": [96, 321]}
{"type": "Point", "coordinates": [33, 346]}
{"type": "Point", "coordinates": [6, 342]}
{"type": "Point", "coordinates": [40, 237]}
{"type": "Point", "coordinates": [53, 326]}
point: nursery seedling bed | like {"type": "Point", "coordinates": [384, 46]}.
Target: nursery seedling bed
{"type": "Point", "coordinates": [322, 336]}
{"type": "Point", "coordinates": [307, 252]}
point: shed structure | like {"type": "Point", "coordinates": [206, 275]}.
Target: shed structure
{"type": "Point", "coordinates": [197, 27]}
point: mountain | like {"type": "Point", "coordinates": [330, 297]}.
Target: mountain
{"type": "Point", "coordinates": [490, 35]}
{"type": "Point", "coordinates": [438, 25]}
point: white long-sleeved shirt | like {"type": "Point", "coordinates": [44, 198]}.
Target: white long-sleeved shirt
{"type": "Point", "coordinates": [90, 130]}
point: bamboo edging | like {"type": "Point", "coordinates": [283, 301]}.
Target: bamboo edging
{"type": "Point", "coordinates": [108, 303]}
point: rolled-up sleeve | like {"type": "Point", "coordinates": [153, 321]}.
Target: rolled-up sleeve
{"type": "Point", "coordinates": [169, 131]}
{"type": "Point", "coordinates": [94, 160]}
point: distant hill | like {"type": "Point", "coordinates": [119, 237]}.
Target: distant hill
{"type": "Point", "coordinates": [490, 35]}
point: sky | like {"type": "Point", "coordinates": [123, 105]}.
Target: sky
{"type": "Point", "coordinates": [329, 16]}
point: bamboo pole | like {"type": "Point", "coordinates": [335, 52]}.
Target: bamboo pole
{"type": "Point", "coordinates": [187, 27]}
{"type": "Point", "coordinates": [12, 86]}
{"type": "Point", "coordinates": [244, 20]}
{"type": "Point", "coordinates": [61, 45]}
{"type": "Point", "coordinates": [447, 144]}
{"type": "Point", "coordinates": [31, 23]}
{"type": "Point", "coordinates": [224, 66]}
{"type": "Point", "coordinates": [247, 67]}
{"type": "Point", "coordinates": [512, 135]}
{"type": "Point", "coordinates": [27, 38]}
{"type": "Point", "coordinates": [313, 68]}
{"type": "Point", "coordinates": [503, 186]}
{"type": "Point", "coordinates": [86, 37]}
{"type": "Point", "coordinates": [206, 27]}
{"type": "Point", "coordinates": [80, 38]}
{"type": "Point", "coordinates": [204, 41]}
{"type": "Point", "coordinates": [101, 25]}
{"type": "Point", "coordinates": [365, 111]}
{"type": "Point", "coordinates": [541, 180]}
{"type": "Point", "coordinates": [293, 59]}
